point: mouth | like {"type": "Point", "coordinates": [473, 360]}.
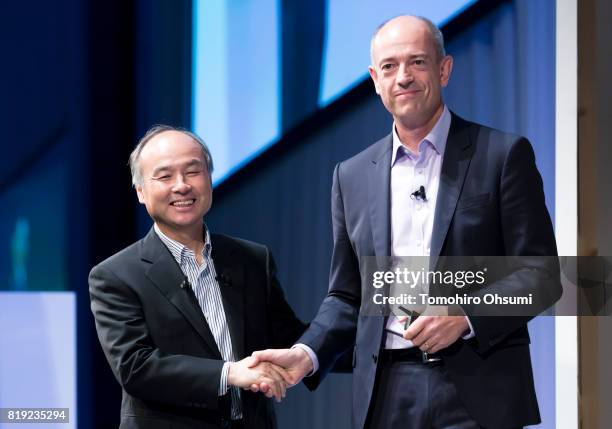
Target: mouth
{"type": "Point", "coordinates": [183, 203]}
{"type": "Point", "coordinates": [407, 93]}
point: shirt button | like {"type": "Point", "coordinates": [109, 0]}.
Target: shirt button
{"type": "Point", "coordinates": [419, 171]}
{"type": "Point", "coordinates": [418, 207]}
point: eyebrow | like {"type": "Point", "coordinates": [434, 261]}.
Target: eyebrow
{"type": "Point", "coordinates": [157, 171]}
{"type": "Point", "coordinates": [410, 57]}
{"type": "Point", "coordinates": [165, 168]}
{"type": "Point", "coordinates": [194, 162]}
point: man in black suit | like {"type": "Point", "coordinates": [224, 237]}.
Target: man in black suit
{"type": "Point", "coordinates": [177, 312]}
{"type": "Point", "coordinates": [436, 186]}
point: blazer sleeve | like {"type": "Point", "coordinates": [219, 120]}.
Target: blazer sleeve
{"type": "Point", "coordinates": [528, 233]}
{"type": "Point", "coordinates": [332, 332]}
{"type": "Point", "coordinates": [143, 370]}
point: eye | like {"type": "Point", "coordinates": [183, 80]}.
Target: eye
{"type": "Point", "coordinates": [387, 67]}
{"type": "Point", "coordinates": [193, 172]}
{"type": "Point", "coordinates": [419, 62]}
{"type": "Point", "coordinates": [164, 177]}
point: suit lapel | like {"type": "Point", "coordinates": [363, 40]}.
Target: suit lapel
{"type": "Point", "coordinates": [230, 272]}
{"type": "Point", "coordinates": [166, 275]}
{"type": "Point", "coordinates": [379, 191]}
{"type": "Point", "coordinates": [455, 164]}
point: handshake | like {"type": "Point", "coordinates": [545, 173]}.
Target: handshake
{"type": "Point", "coordinates": [270, 371]}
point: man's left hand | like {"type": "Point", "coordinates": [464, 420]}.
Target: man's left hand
{"type": "Point", "coordinates": [434, 333]}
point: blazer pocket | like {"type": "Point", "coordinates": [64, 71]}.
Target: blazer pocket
{"type": "Point", "coordinates": [474, 201]}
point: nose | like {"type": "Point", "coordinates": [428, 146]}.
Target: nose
{"type": "Point", "coordinates": [180, 186]}
{"type": "Point", "coordinates": [404, 76]}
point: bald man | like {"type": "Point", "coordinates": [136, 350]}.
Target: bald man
{"type": "Point", "coordinates": [437, 185]}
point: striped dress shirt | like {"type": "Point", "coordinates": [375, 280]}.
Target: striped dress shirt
{"type": "Point", "coordinates": [203, 282]}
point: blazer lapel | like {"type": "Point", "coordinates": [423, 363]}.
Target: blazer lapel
{"type": "Point", "coordinates": [379, 191]}
{"type": "Point", "coordinates": [456, 160]}
{"type": "Point", "coordinates": [166, 275]}
{"type": "Point", "coordinates": [230, 274]}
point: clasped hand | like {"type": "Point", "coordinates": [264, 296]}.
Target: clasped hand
{"type": "Point", "coordinates": [249, 371]}
{"type": "Point", "coordinates": [291, 364]}
{"type": "Point", "coordinates": [271, 371]}
{"type": "Point", "coordinates": [434, 333]}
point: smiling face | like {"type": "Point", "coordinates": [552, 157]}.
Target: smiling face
{"type": "Point", "coordinates": [176, 187]}
{"type": "Point", "coordinates": [407, 72]}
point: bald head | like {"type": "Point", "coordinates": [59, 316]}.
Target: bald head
{"type": "Point", "coordinates": [409, 70]}
{"type": "Point", "coordinates": [407, 22]}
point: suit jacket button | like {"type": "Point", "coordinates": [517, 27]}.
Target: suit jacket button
{"type": "Point", "coordinates": [224, 423]}
{"type": "Point", "coordinates": [375, 358]}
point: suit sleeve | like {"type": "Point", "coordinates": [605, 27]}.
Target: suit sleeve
{"type": "Point", "coordinates": [528, 233]}
{"type": "Point", "coordinates": [143, 370]}
{"type": "Point", "coordinates": [333, 330]}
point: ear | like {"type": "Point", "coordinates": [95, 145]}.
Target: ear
{"type": "Point", "coordinates": [446, 67]}
{"type": "Point", "coordinates": [140, 193]}
{"type": "Point", "coordinates": [374, 77]}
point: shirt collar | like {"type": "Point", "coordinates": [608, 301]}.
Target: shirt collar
{"type": "Point", "coordinates": [436, 138]}
{"type": "Point", "coordinates": [180, 251]}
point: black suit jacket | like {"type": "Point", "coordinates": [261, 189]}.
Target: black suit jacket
{"type": "Point", "coordinates": [158, 342]}
{"type": "Point", "coordinates": [490, 202]}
